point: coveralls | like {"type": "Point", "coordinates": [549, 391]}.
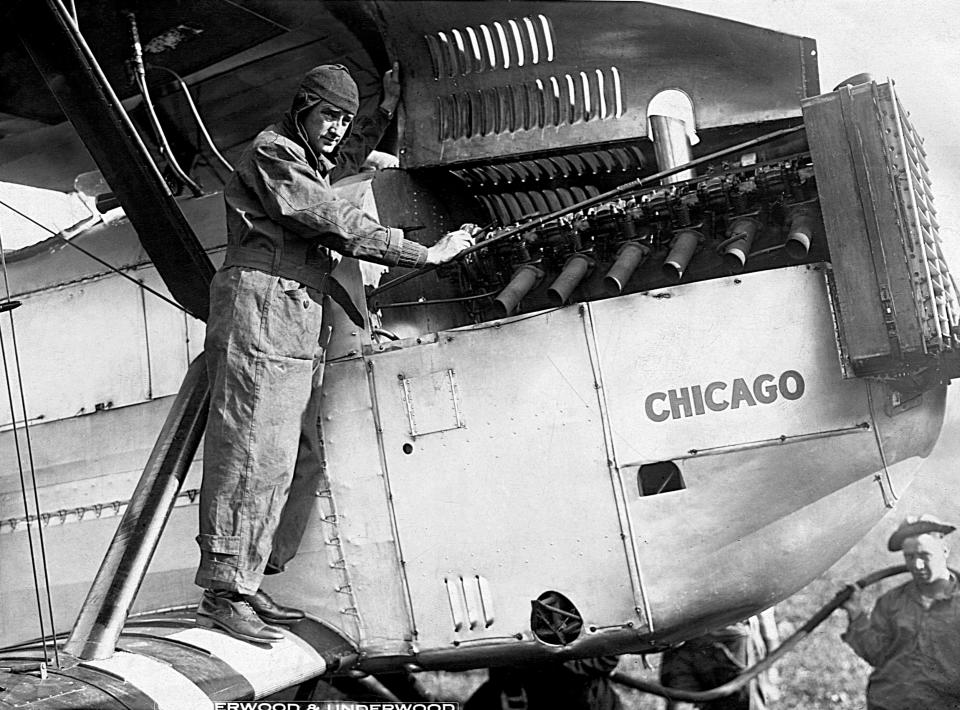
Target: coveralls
{"type": "Point", "coordinates": [913, 643]}
{"type": "Point", "coordinates": [264, 355]}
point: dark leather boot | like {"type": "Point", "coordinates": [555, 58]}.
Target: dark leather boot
{"type": "Point", "coordinates": [270, 611]}
{"type": "Point", "coordinates": [229, 611]}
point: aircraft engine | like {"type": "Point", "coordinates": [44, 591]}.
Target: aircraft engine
{"type": "Point", "coordinates": [598, 222]}
{"type": "Point", "coordinates": [741, 215]}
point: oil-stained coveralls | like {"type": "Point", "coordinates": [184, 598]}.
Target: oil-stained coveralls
{"type": "Point", "coordinates": [263, 348]}
{"type": "Point", "coordinates": [913, 643]}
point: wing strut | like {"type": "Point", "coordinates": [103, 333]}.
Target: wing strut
{"type": "Point", "coordinates": [70, 70]}
{"type": "Point", "coordinates": [118, 580]}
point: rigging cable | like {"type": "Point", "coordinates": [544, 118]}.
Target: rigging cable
{"type": "Point", "coordinates": [33, 471]}
{"type": "Point", "coordinates": [258, 15]}
{"type": "Point", "coordinates": [128, 277]}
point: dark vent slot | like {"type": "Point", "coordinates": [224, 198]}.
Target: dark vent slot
{"type": "Point", "coordinates": [517, 42]}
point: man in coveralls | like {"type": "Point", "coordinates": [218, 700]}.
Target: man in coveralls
{"type": "Point", "coordinates": [912, 638]}
{"type": "Point", "coordinates": [263, 349]}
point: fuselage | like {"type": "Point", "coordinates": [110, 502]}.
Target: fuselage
{"type": "Point", "coordinates": [520, 464]}
{"type": "Point", "coordinates": [473, 470]}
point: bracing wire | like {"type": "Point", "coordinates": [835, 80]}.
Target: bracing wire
{"type": "Point", "coordinates": [258, 15]}
{"type": "Point", "coordinates": [96, 258]}
{"type": "Point", "coordinates": [33, 475]}
{"type": "Point", "coordinates": [26, 507]}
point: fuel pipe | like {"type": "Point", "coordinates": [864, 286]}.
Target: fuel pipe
{"type": "Point", "coordinates": [141, 78]}
{"type": "Point", "coordinates": [700, 696]}
{"type": "Point", "coordinates": [196, 114]}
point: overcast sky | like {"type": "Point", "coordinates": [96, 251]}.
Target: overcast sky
{"type": "Point", "coordinates": [916, 43]}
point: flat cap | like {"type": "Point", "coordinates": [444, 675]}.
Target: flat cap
{"type": "Point", "coordinates": [914, 525]}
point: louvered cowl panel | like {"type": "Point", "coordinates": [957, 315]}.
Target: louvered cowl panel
{"type": "Point", "coordinates": [513, 190]}
{"type": "Point", "coordinates": [496, 81]}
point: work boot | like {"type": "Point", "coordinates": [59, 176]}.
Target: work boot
{"type": "Point", "coordinates": [270, 611]}
{"type": "Point", "coordinates": [229, 611]}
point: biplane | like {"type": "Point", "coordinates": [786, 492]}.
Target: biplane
{"type": "Point", "coordinates": [709, 328]}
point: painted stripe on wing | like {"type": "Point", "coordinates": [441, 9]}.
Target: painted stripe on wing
{"type": "Point", "coordinates": [166, 687]}
{"type": "Point", "coordinates": [267, 668]}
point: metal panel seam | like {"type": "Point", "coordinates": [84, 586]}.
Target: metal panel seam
{"type": "Point", "coordinates": [616, 479]}
{"type": "Point", "coordinates": [331, 517]}
{"type": "Point", "coordinates": [763, 443]}
{"type": "Point", "coordinates": [885, 481]}
{"type": "Point", "coordinates": [402, 565]}
{"type": "Point", "coordinates": [867, 190]}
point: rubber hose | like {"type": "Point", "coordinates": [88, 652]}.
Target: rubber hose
{"type": "Point", "coordinates": [699, 696]}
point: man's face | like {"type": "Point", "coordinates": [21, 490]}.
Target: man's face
{"type": "Point", "coordinates": [325, 125]}
{"type": "Point", "coordinates": [926, 558]}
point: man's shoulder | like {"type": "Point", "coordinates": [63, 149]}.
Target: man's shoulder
{"type": "Point", "coordinates": [271, 141]}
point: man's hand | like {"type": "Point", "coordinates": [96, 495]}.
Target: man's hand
{"type": "Point", "coordinates": [854, 604]}
{"type": "Point", "coordinates": [391, 90]}
{"type": "Point", "coordinates": [450, 245]}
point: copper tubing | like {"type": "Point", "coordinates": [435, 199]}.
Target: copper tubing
{"type": "Point", "coordinates": [629, 258]}
{"type": "Point", "coordinates": [524, 280]}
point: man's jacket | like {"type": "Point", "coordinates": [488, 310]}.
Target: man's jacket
{"type": "Point", "coordinates": [282, 215]}
{"type": "Point", "coordinates": [913, 644]}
